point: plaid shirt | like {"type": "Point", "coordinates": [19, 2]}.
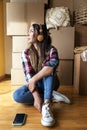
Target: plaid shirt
{"type": "Point", "coordinates": [51, 60]}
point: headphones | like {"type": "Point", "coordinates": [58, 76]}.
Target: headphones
{"type": "Point", "coordinates": [40, 37]}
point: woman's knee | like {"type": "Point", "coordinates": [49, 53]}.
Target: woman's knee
{"type": "Point", "coordinates": [19, 93]}
{"type": "Point", "coordinates": [23, 95]}
{"type": "Point", "coordinates": [17, 97]}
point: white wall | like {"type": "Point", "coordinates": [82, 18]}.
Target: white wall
{"type": "Point", "coordinates": [8, 44]}
{"type": "Point", "coordinates": [8, 54]}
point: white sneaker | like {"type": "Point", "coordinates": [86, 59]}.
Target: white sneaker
{"type": "Point", "coordinates": [57, 97]}
{"type": "Point", "coordinates": [47, 116]}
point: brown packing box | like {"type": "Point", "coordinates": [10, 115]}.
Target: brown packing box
{"type": "Point", "coordinates": [65, 72]}
{"type": "Point", "coordinates": [63, 40]}
{"type": "Point", "coordinates": [20, 15]}
{"type": "Point", "coordinates": [45, 1]}
{"type": "Point", "coordinates": [80, 35]}
{"type": "Point", "coordinates": [80, 75]}
{"type": "Point", "coordinates": [67, 3]}
{"type": "Point", "coordinates": [15, 19]}
{"type": "Point", "coordinates": [35, 13]}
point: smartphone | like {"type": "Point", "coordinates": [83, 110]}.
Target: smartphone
{"type": "Point", "coordinates": [19, 119]}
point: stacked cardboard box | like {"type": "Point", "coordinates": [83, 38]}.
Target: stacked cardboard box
{"type": "Point", "coordinates": [63, 40]}
{"type": "Point", "coordinates": [80, 35]}
{"type": "Point", "coordinates": [80, 75]}
{"type": "Point", "coordinates": [19, 43]}
{"type": "Point", "coordinates": [19, 17]}
{"type": "Point", "coordinates": [45, 1]}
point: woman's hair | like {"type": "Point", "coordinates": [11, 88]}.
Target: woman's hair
{"type": "Point", "coordinates": [45, 44]}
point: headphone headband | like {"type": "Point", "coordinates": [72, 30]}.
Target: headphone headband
{"type": "Point", "coordinates": [40, 37]}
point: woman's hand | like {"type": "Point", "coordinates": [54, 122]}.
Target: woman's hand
{"type": "Point", "coordinates": [32, 85]}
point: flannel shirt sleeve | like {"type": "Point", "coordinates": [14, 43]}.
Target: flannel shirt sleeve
{"type": "Point", "coordinates": [27, 67]}
{"type": "Point", "coordinates": [53, 59]}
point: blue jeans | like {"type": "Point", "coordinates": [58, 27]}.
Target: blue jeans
{"type": "Point", "coordinates": [44, 86]}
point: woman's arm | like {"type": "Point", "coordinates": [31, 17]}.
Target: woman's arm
{"type": "Point", "coordinates": [27, 66]}
{"type": "Point", "coordinates": [45, 71]}
{"type": "Point", "coordinates": [48, 68]}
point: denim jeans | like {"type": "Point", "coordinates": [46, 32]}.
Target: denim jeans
{"type": "Point", "coordinates": [44, 86]}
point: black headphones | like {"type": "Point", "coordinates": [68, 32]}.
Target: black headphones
{"type": "Point", "coordinates": [40, 37]}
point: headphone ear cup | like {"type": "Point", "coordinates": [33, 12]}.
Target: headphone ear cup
{"type": "Point", "coordinates": [40, 37]}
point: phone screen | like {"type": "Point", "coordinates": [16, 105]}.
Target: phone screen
{"type": "Point", "coordinates": [19, 119]}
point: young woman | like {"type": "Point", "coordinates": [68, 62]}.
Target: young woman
{"type": "Point", "coordinates": [40, 61]}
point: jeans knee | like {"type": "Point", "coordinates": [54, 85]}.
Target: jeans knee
{"type": "Point", "coordinates": [16, 96]}
{"type": "Point", "coordinates": [23, 97]}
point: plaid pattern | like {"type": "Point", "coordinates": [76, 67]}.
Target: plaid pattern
{"type": "Point", "coordinates": [50, 60]}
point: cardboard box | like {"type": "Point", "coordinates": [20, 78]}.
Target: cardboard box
{"type": "Point", "coordinates": [80, 75]}
{"type": "Point", "coordinates": [63, 40]}
{"type": "Point", "coordinates": [16, 61]}
{"type": "Point", "coordinates": [45, 1]}
{"type": "Point", "coordinates": [35, 13]}
{"type": "Point", "coordinates": [17, 77]}
{"type": "Point", "coordinates": [65, 72]}
{"type": "Point", "coordinates": [15, 19]}
{"type": "Point", "coordinates": [20, 15]}
{"type": "Point", "coordinates": [19, 43]}
{"type": "Point", "coordinates": [80, 35]}
{"type": "Point", "coordinates": [67, 3]}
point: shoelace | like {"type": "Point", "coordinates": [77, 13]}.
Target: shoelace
{"type": "Point", "coordinates": [48, 112]}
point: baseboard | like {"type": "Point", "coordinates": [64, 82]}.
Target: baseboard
{"type": "Point", "coordinates": [2, 77]}
{"type": "Point", "coordinates": [5, 77]}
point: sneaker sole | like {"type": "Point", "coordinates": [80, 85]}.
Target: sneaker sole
{"type": "Point", "coordinates": [59, 94]}
{"type": "Point", "coordinates": [44, 123]}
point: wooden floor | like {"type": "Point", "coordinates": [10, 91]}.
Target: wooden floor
{"type": "Point", "coordinates": [68, 117]}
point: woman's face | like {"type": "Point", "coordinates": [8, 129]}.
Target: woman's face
{"type": "Point", "coordinates": [32, 35]}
